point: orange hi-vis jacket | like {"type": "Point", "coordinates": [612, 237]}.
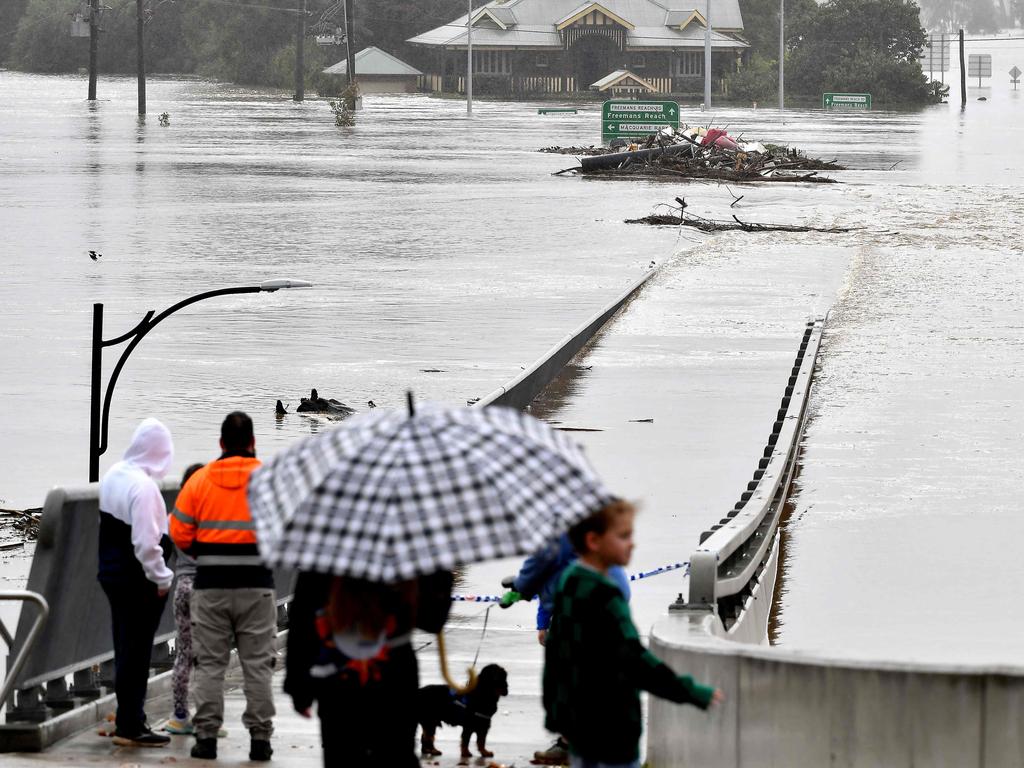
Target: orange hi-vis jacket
{"type": "Point", "coordinates": [211, 521]}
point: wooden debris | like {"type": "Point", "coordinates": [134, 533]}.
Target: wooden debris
{"type": "Point", "coordinates": [591, 150]}
{"type": "Point", "coordinates": [25, 522]}
{"type": "Point", "coordinates": [679, 217]}
{"type": "Point", "coordinates": [680, 156]}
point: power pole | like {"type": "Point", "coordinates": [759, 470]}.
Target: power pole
{"type": "Point", "coordinates": [707, 56]}
{"type": "Point", "coordinates": [350, 52]}
{"type": "Point", "coordinates": [963, 74]}
{"type": "Point", "coordinates": [140, 53]}
{"type": "Point", "coordinates": [469, 59]}
{"type": "Point", "coordinates": [782, 55]}
{"type": "Point", "coordinates": [94, 35]}
{"type": "Point", "coordinates": [300, 53]}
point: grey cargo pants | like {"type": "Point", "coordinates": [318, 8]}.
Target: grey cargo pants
{"type": "Point", "coordinates": [249, 617]}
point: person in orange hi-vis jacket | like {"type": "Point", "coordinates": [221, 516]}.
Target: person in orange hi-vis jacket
{"type": "Point", "coordinates": [233, 596]}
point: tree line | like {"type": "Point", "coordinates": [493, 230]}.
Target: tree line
{"type": "Point", "coordinates": [224, 39]}
{"type": "Point", "coordinates": [840, 45]}
{"type": "Point", "coordinates": [851, 46]}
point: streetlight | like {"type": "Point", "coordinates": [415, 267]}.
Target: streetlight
{"type": "Point", "coordinates": [98, 425]}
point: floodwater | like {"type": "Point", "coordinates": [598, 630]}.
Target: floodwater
{"type": "Point", "coordinates": [445, 257]}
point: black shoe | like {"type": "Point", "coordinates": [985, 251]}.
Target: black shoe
{"type": "Point", "coordinates": [144, 738]}
{"type": "Point", "coordinates": [205, 749]}
{"type": "Point", "coordinates": [259, 750]}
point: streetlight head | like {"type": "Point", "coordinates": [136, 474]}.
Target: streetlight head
{"type": "Point", "coordinates": [275, 285]}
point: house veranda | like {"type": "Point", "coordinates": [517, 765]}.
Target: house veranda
{"type": "Point", "coordinates": [562, 47]}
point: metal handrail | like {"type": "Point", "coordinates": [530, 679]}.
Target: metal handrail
{"type": "Point", "coordinates": [705, 585]}
{"type": "Point", "coordinates": [19, 661]}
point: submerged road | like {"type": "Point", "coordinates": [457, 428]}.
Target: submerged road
{"type": "Point", "coordinates": [680, 433]}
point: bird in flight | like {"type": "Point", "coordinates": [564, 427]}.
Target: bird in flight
{"type": "Point", "coordinates": [94, 256]}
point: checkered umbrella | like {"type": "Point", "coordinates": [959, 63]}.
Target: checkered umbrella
{"type": "Point", "coordinates": [390, 496]}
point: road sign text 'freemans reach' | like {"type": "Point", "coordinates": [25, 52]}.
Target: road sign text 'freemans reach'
{"type": "Point", "coordinates": [636, 119]}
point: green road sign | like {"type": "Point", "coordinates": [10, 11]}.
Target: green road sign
{"type": "Point", "coordinates": [635, 119]}
{"type": "Point", "coordinates": [846, 100]}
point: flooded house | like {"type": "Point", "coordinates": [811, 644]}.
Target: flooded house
{"type": "Point", "coordinates": [378, 71]}
{"type": "Point", "coordinates": [533, 47]}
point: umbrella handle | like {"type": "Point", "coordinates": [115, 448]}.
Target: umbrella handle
{"type": "Point", "coordinates": [442, 656]}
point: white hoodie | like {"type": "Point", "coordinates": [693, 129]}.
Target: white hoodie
{"type": "Point", "coordinates": [129, 493]}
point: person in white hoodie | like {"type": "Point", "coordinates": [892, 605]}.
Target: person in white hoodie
{"type": "Point", "coordinates": [133, 552]}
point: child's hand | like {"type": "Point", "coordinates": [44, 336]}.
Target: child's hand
{"type": "Point", "coordinates": [716, 698]}
{"type": "Point", "coordinates": [509, 598]}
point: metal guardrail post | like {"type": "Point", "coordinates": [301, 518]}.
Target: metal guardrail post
{"type": "Point", "coordinates": [703, 575]}
{"type": "Point", "coordinates": [44, 610]}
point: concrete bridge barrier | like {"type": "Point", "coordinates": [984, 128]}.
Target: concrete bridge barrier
{"type": "Point", "coordinates": [789, 709]}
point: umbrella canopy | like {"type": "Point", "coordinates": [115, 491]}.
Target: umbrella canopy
{"type": "Point", "coordinates": [390, 496]}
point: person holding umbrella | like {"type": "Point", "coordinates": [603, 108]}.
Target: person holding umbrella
{"type": "Point", "coordinates": [376, 515]}
{"type": "Point", "coordinates": [349, 651]}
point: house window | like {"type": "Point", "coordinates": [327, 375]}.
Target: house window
{"type": "Point", "coordinates": [639, 61]}
{"type": "Point", "coordinates": [690, 63]}
{"type": "Point", "coordinates": [491, 62]}
{"type": "Point", "coordinates": [542, 60]}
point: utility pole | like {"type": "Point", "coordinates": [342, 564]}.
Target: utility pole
{"type": "Point", "coordinates": [140, 53]}
{"type": "Point", "coordinates": [469, 59]}
{"type": "Point", "coordinates": [350, 51]}
{"type": "Point", "coordinates": [782, 55]}
{"type": "Point", "coordinates": [963, 74]}
{"type": "Point", "coordinates": [707, 56]}
{"type": "Point", "coordinates": [300, 53]}
{"type": "Point", "coordinates": [94, 34]}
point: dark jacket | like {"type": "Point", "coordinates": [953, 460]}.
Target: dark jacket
{"type": "Point", "coordinates": [540, 572]}
{"type": "Point", "coordinates": [117, 561]}
{"type": "Point", "coordinates": [595, 667]}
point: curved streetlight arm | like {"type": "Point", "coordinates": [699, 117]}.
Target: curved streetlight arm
{"type": "Point", "coordinates": [99, 422]}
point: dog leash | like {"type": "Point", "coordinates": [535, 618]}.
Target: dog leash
{"type": "Point", "coordinates": [487, 615]}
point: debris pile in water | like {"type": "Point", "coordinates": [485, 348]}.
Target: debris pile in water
{"type": "Point", "coordinates": [699, 153]}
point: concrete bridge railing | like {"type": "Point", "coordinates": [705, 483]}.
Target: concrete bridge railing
{"type": "Point", "coordinates": [785, 708]}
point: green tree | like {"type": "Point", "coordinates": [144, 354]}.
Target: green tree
{"type": "Point", "coordinates": [11, 12]}
{"type": "Point", "coordinates": [43, 42]}
{"type": "Point", "coordinates": [868, 45]}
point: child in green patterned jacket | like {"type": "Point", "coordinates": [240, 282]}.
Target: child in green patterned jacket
{"type": "Point", "coordinates": [594, 664]}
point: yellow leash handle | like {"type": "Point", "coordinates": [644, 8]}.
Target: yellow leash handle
{"type": "Point", "coordinates": [442, 656]}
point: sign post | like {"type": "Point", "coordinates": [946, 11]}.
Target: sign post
{"type": "Point", "coordinates": [1015, 76]}
{"type": "Point", "coordinates": [637, 119]}
{"type": "Point", "coordinates": [846, 100]}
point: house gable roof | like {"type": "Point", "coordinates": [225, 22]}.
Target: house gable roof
{"type": "Point", "coordinates": [486, 13]}
{"type": "Point", "coordinates": [682, 19]}
{"type": "Point", "coordinates": [622, 78]}
{"type": "Point", "coordinates": [587, 8]}
{"type": "Point", "coordinates": [374, 61]}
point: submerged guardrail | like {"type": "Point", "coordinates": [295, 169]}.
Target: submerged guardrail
{"type": "Point", "coordinates": [733, 555]}
{"type": "Point", "coordinates": [791, 708]}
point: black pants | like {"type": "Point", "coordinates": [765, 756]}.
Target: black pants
{"type": "Point", "coordinates": [135, 611]}
{"type": "Point", "coordinates": [372, 725]}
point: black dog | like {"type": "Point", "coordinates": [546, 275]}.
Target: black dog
{"type": "Point", "coordinates": [438, 704]}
